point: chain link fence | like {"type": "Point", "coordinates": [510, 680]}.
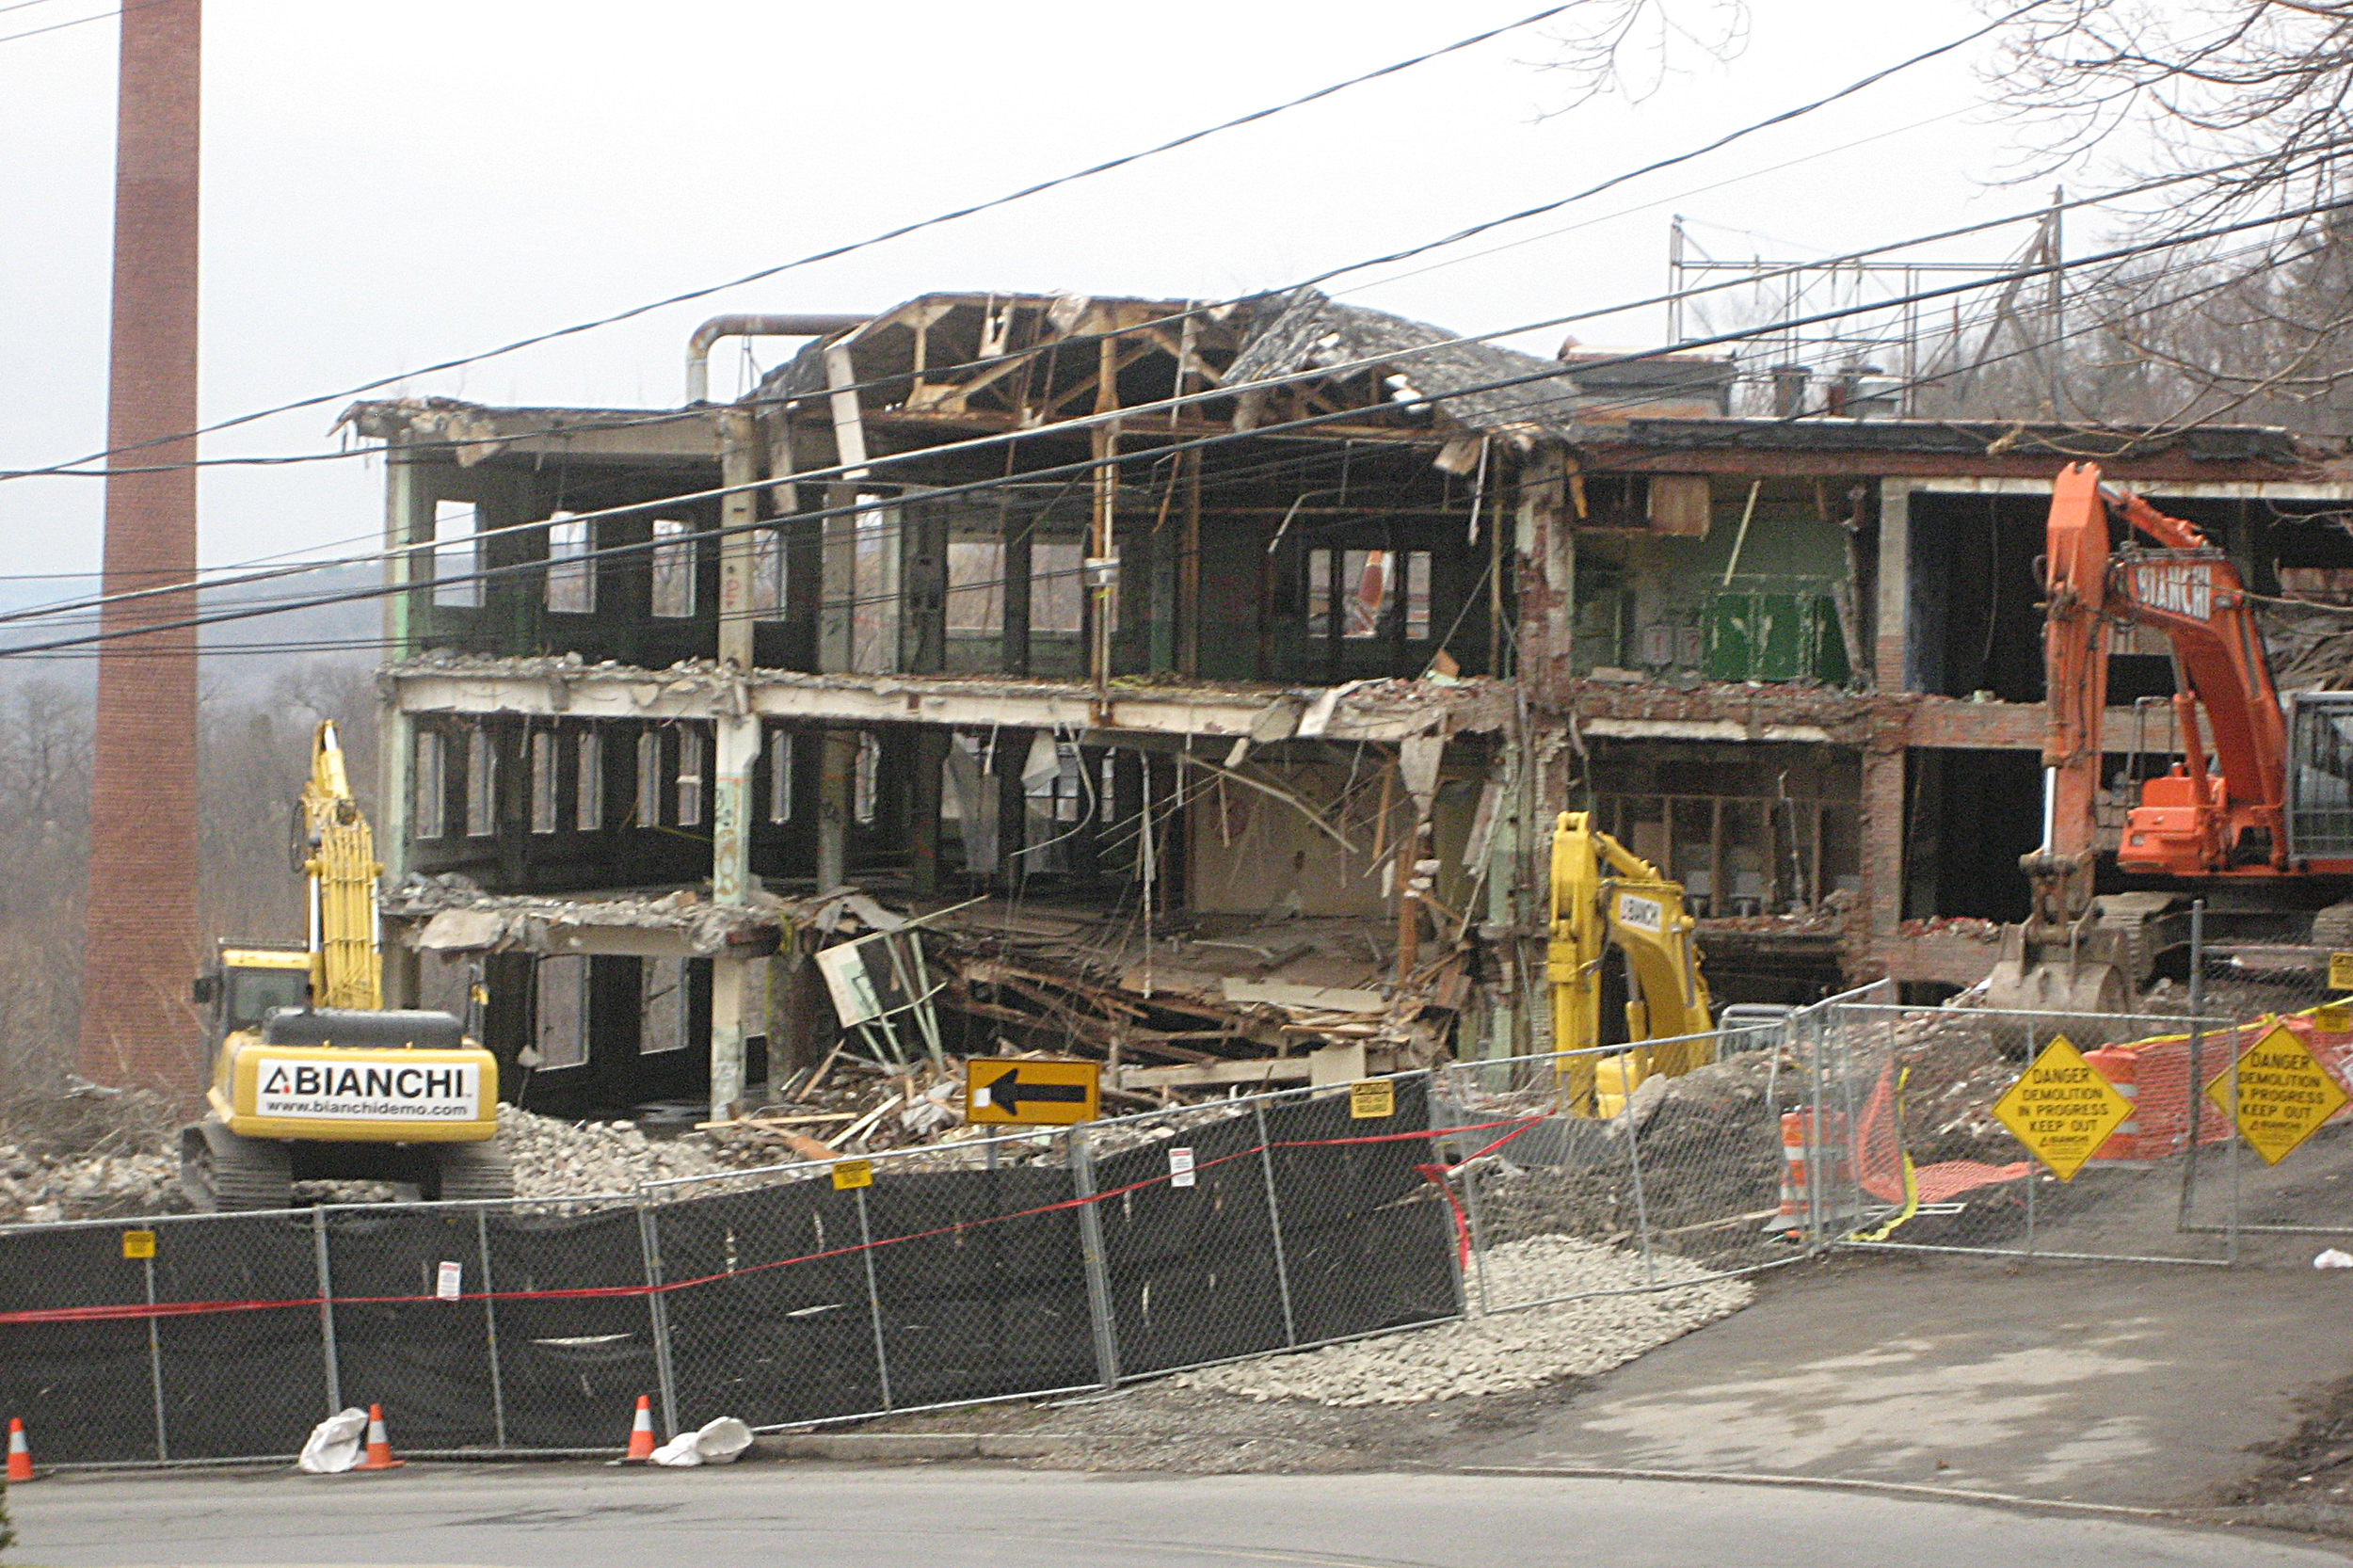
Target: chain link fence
{"type": "Point", "coordinates": [1026, 1265]}
{"type": "Point", "coordinates": [1051, 1262]}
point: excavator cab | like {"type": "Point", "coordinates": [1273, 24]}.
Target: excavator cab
{"type": "Point", "coordinates": [2320, 775]}
{"type": "Point", "coordinates": [247, 982]}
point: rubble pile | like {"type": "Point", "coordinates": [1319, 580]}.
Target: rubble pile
{"type": "Point", "coordinates": [557, 1159]}
{"type": "Point", "coordinates": [1504, 1351]}
{"type": "Point", "coordinates": [87, 1153]}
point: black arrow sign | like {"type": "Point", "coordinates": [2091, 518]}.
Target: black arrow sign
{"type": "Point", "coordinates": [1006, 1091]}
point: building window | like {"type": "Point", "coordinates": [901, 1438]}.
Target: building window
{"type": "Point", "coordinates": [432, 784]}
{"type": "Point", "coordinates": [588, 769]}
{"type": "Point", "coordinates": [976, 585]}
{"type": "Point", "coordinates": [571, 570]}
{"type": "Point", "coordinates": [1366, 587]}
{"type": "Point", "coordinates": [482, 784]}
{"type": "Point", "coordinates": [457, 555]}
{"type": "Point", "coordinates": [1057, 594]}
{"type": "Point", "coordinates": [779, 775]}
{"type": "Point", "coordinates": [690, 777]}
{"type": "Point", "coordinates": [673, 569]}
{"type": "Point", "coordinates": [560, 1024]}
{"type": "Point", "coordinates": [874, 588]}
{"type": "Point", "coordinates": [864, 780]}
{"type": "Point", "coordinates": [768, 574]}
{"type": "Point", "coordinates": [662, 1005]}
{"type": "Point", "coordinates": [649, 778]}
{"type": "Point", "coordinates": [543, 781]}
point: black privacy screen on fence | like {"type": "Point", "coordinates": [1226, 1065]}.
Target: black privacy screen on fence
{"type": "Point", "coordinates": [784, 1300]}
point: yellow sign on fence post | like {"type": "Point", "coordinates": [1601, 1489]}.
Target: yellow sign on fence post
{"type": "Point", "coordinates": [2061, 1108]}
{"type": "Point", "coordinates": [851, 1174]}
{"type": "Point", "coordinates": [2284, 1094]}
{"type": "Point", "coordinates": [1371, 1098]}
{"type": "Point", "coordinates": [2341, 971]}
{"type": "Point", "coordinates": [139, 1243]}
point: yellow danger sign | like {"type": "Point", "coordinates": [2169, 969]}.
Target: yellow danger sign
{"type": "Point", "coordinates": [2284, 1094]}
{"type": "Point", "coordinates": [852, 1173]}
{"type": "Point", "coordinates": [1371, 1098]}
{"type": "Point", "coordinates": [139, 1243]}
{"type": "Point", "coordinates": [2341, 971]}
{"type": "Point", "coordinates": [2061, 1108]}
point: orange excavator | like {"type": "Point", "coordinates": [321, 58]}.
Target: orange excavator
{"type": "Point", "coordinates": [2263, 824]}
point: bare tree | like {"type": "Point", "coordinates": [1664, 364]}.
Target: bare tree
{"type": "Point", "coordinates": [1628, 48]}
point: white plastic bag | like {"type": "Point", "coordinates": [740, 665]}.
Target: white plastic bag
{"type": "Point", "coordinates": [2332, 1258]}
{"type": "Point", "coordinates": [716, 1442]}
{"type": "Point", "coordinates": [333, 1446]}
{"type": "Point", "coordinates": [719, 1442]}
{"type": "Point", "coordinates": [679, 1451]}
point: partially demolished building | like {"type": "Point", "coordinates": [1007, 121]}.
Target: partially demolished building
{"type": "Point", "coordinates": [1201, 683]}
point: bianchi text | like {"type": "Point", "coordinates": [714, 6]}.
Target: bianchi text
{"type": "Point", "coordinates": [447, 1092]}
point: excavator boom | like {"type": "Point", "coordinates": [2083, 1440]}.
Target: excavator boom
{"type": "Point", "coordinates": [1605, 896]}
{"type": "Point", "coordinates": [346, 955]}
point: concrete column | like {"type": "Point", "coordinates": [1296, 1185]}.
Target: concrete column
{"type": "Point", "coordinates": [836, 777]}
{"type": "Point", "coordinates": [1883, 817]}
{"type": "Point", "coordinates": [407, 520]}
{"type": "Point", "coordinates": [731, 809]}
{"type": "Point", "coordinates": [1013, 806]}
{"type": "Point", "coordinates": [931, 752]}
{"type": "Point", "coordinates": [1890, 655]}
{"type": "Point", "coordinates": [728, 979]}
{"type": "Point", "coordinates": [738, 464]}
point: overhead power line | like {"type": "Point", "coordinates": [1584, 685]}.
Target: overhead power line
{"type": "Point", "coordinates": [1304, 423]}
{"type": "Point", "coordinates": [237, 577]}
{"type": "Point", "coordinates": [831, 253]}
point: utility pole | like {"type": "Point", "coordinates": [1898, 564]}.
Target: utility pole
{"type": "Point", "coordinates": [141, 947]}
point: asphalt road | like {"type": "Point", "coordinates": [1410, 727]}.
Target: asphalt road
{"type": "Point", "coordinates": [813, 1517]}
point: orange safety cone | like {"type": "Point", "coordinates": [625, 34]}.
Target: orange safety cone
{"type": "Point", "coordinates": [379, 1454]}
{"type": "Point", "coordinates": [641, 1434]}
{"type": "Point", "coordinates": [20, 1454]}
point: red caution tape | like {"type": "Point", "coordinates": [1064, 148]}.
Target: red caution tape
{"type": "Point", "coordinates": [133, 1311]}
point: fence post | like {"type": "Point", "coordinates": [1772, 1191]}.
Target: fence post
{"type": "Point", "coordinates": [1091, 1255]}
{"type": "Point", "coordinates": [2183, 1215]}
{"type": "Point", "coordinates": [1822, 1031]}
{"type": "Point", "coordinates": [658, 1313]}
{"type": "Point", "coordinates": [1634, 1172]}
{"type": "Point", "coordinates": [873, 1295]}
{"type": "Point", "coordinates": [490, 1327]}
{"type": "Point", "coordinates": [1274, 1222]}
{"type": "Point", "coordinates": [155, 1361]}
{"type": "Point", "coordinates": [326, 1312]}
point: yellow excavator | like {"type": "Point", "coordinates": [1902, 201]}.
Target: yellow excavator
{"type": "Point", "coordinates": [1605, 896]}
{"type": "Point", "coordinates": [313, 1078]}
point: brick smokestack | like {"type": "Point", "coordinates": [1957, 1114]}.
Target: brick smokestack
{"type": "Point", "coordinates": [142, 945]}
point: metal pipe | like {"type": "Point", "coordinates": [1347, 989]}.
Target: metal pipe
{"type": "Point", "coordinates": [698, 346]}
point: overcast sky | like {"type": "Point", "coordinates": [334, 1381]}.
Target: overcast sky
{"type": "Point", "coordinates": [385, 187]}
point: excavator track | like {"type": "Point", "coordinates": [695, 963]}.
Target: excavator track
{"type": "Point", "coordinates": [472, 1171]}
{"type": "Point", "coordinates": [221, 1171]}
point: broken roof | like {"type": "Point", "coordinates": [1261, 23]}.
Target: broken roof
{"type": "Point", "coordinates": [1308, 331]}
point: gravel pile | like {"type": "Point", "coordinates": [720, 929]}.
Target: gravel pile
{"type": "Point", "coordinates": [1507, 1352]}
